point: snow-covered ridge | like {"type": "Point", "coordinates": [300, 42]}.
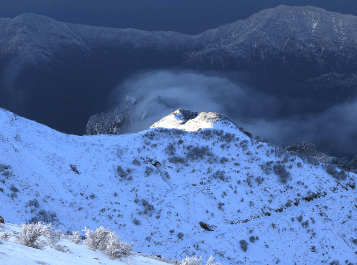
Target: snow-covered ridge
{"type": "Point", "coordinates": [187, 120]}
{"type": "Point", "coordinates": [180, 192]}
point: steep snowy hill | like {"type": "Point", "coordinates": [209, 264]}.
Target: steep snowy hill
{"type": "Point", "coordinates": [193, 184]}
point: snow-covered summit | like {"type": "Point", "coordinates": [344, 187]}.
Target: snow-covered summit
{"type": "Point", "coordinates": [191, 121]}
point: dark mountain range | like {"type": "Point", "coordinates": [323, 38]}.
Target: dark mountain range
{"type": "Point", "coordinates": [59, 74]}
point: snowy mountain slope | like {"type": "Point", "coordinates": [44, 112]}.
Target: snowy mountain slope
{"type": "Point", "coordinates": [181, 192]}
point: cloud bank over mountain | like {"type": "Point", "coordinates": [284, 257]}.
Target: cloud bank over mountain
{"type": "Point", "coordinates": [278, 119]}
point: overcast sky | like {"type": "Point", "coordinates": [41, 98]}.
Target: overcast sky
{"type": "Point", "coordinates": [185, 16]}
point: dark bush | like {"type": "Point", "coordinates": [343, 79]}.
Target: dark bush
{"type": "Point", "coordinates": [228, 137]}
{"type": "Point", "coordinates": [280, 171]}
{"type": "Point", "coordinates": [300, 218]}
{"type": "Point", "coordinates": [304, 147]}
{"type": "Point", "coordinates": [245, 132]}
{"type": "Point", "coordinates": [223, 160]}
{"type": "Point", "coordinates": [4, 167]}
{"type": "Point", "coordinates": [195, 153]}
{"type": "Point", "coordinates": [180, 235]}
{"type": "Point", "coordinates": [136, 162]}
{"type": "Point", "coordinates": [243, 245]}
{"type": "Point", "coordinates": [148, 171]}
{"type": "Point", "coordinates": [252, 239]}
{"type": "Point", "coordinates": [311, 195]}
{"type": "Point", "coordinates": [13, 188]}
{"type": "Point", "coordinates": [244, 144]}
{"type": "Point", "coordinates": [171, 149]}
{"type": "Point", "coordinates": [44, 216]}
{"type": "Point", "coordinates": [74, 169]}
{"type": "Point", "coordinates": [121, 172]}
{"type": "Point", "coordinates": [149, 208]}
{"type": "Point", "coordinates": [219, 175]}
{"type": "Point", "coordinates": [33, 202]}
{"type": "Point", "coordinates": [335, 262]}
{"type": "Point", "coordinates": [259, 180]}
{"type": "Point", "coordinates": [136, 221]}
{"type": "Point", "coordinates": [305, 224]}
{"type": "Point", "coordinates": [177, 160]}
{"type": "Point", "coordinates": [331, 169]}
{"type": "Point", "coordinates": [206, 226]}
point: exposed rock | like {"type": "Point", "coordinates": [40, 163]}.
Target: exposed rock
{"type": "Point", "coordinates": [113, 122]}
{"type": "Point", "coordinates": [2, 221]}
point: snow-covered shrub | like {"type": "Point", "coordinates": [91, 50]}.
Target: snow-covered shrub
{"type": "Point", "coordinates": [4, 236]}
{"type": "Point", "coordinates": [32, 232]}
{"type": "Point", "coordinates": [195, 261]}
{"type": "Point", "coordinates": [51, 235]}
{"type": "Point", "coordinates": [76, 237]}
{"type": "Point", "coordinates": [96, 239]}
{"type": "Point", "coordinates": [210, 261]}
{"type": "Point", "coordinates": [192, 261]}
{"type": "Point", "coordinates": [243, 245]}
{"type": "Point", "coordinates": [116, 248]}
{"type": "Point", "coordinates": [104, 239]}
